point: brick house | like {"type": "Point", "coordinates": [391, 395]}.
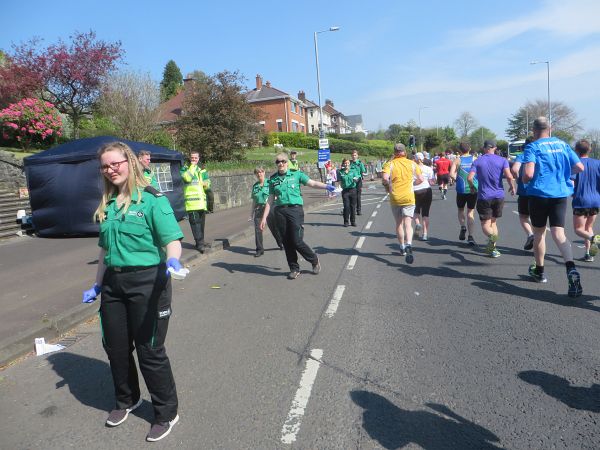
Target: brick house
{"type": "Point", "coordinates": [172, 109]}
{"type": "Point", "coordinates": [280, 111]}
{"type": "Point", "coordinates": [339, 123]}
{"type": "Point", "coordinates": [312, 115]}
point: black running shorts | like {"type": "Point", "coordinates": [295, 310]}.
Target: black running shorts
{"type": "Point", "coordinates": [490, 208]}
{"type": "Point", "coordinates": [587, 212]}
{"type": "Point", "coordinates": [523, 205]}
{"type": "Point", "coordinates": [543, 210]}
{"type": "Point", "coordinates": [423, 198]}
{"type": "Point", "coordinates": [466, 199]}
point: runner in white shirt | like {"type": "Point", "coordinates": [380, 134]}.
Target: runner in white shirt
{"type": "Point", "coordinates": [423, 197]}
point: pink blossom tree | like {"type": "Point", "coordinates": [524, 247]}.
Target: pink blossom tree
{"type": "Point", "coordinates": [30, 120]}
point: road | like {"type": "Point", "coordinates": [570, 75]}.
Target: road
{"type": "Point", "coordinates": [455, 351]}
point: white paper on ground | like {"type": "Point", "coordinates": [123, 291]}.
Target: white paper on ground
{"type": "Point", "coordinates": [41, 348]}
{"type": "Point", "coordinates": [178, 274]}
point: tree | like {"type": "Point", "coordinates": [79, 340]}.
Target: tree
{"type": "Point", "coordinates": [564, 119]}
{"type": "Point", "coordinates": [172, 81]}
{"type": "Point", "coordinates": [431, 139]}
{"type": "Point", "coordinates": [17, 81]}
{"type": "Point", "coordinates": [479, 135]}
{"type": "Point", "coordinates": [130, 101]}
{"type": "Point", "coordinates": [393, 132]}
{"type": "Point", "coordinates": [30, 120]}
{"type": "Point", "coordinates": [71, 74]}
{"type": "Point", "coordinates": [593, 135]}
{"type": "Point", "coordinates": [465, 123]}
{"type": "Point", "coordinates": [218, 121]}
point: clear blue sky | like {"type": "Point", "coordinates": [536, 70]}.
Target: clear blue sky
{"type": "Point", "coordinates": [389, 59]}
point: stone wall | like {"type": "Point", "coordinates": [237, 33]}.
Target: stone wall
{"type": "Point", "coordinates": [12, 175]}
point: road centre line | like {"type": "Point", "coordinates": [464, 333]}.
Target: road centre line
{"type": "Point", "coordinates": [352, 262]}
{"type": "Point", "coordinates": [316, 211]}
{"type": "Point", "coordinates": [378, 206]}
{"type": "Point", "coordinates": [360, 242]}
{"type": "Point", "coordinates": [374, 214]}
{"type": "Point", "coordinates": [292, 423]}
{"type": "Point", "coordinates": [335, 300]}
{"type": "Point", "coordinates": [368, 225]}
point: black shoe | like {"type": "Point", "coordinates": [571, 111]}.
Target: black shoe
{"type": "Point", "coordinates": [293, 274]}
{"type": "Point", "coordinates": [346, 224]}
{"type": "Point", "coordinates": [358, 213]}
{"type": "Point", "coordinates": [353, 224]}
{"type": "Point", "coordinates": [316, 268]}
{"type": "Point", "coordinates": [200, 248]}
{"type": "Point", "coordinates": [402, 252]}
{"type": "Point", "coordinates": [161, 429]}
{"type": "Point", "coordinates": [575, 289]}
{"type": "Point", "coordinates": [463, 233]}
{"type": "Point", "coordinates": [118, 416]}
{"type": "Point", "coordinates": [528, 243]}
{"type": "Point", "coordinates": [259, 253]}
{"type": "Point", "coordinates": [470, 240]}
{"type": "Point", "coordinates": [539, 277]}
{"type": "Point", "coordinates": [280, 246]}
{"type": "Point", "coordinates": [409, 255]}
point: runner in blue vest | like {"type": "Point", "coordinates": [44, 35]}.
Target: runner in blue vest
{"type": "Point", "coordinates": [465, 196]}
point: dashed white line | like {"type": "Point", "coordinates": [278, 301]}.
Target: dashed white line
{"type": "Point", "coordinates": [292, 424]}
{"type": "Point", "coordinates": [352, 262]}
{"type": "Point", "coordinates": [516, 212]}
{"type": "Point", "coordinates": [335, 300]}
{"type": "Point", "coordinates": [360, 242]}
{"type": "Point", "coordinates": [368, 225]}
{"type": "Point", "coordinates": [378, 206]}
{"type": "Point", "coordinates": [374, 214]}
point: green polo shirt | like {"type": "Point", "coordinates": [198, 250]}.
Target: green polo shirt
{"type": "Point", "coordinates": [260, 194]}
{"type": "Point", "coordinates": [358, 166]}
{"type": "Point", "coordinates": [286, 188]}
{"type": "Point", "coordinates": [347, 179]}
{"type": "Point", "coordinates": [150, 178]}
{"type": "Point", "coordinates": [137, 237]}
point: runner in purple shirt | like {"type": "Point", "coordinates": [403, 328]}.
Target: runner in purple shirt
{"type": "Point", "coordinates": [490, 168]}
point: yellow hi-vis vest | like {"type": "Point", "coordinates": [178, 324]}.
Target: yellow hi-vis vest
{"type": "Point", "coordinates": [193, 189]}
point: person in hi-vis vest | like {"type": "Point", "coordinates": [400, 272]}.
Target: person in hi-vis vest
{"type": "Point", "coordinates": [196, 182]}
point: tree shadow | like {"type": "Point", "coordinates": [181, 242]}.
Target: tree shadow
{"type": "Point", "coordinates": [393, 427]}
{"type": "Point", "coordinates": [576, 397]}
{"type": "Point", "coordinates": [248, 268]}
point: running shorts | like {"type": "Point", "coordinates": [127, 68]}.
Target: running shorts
{"type": "Point", "coordinates": [423, 198]}
{"type": "Point", "coordinates": [466, 199]}
{"type": "Point", "coordinates": [490, 208]}
{"type": "Point", "coordinates": [543, 210]}
{"type": "Point", "coordinates": [523, 205]}
{"type": "Point", "coordinates": [403, 211]}
{"type": "Point", "coordinates": [443, 179]}
{"type": "Point", "coordinates": [587, 212]}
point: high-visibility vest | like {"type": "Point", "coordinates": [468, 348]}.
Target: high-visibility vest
{"type": "Point", "coordinates": [193, 189]}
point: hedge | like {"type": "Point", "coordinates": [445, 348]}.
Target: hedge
{"type": "Point", "coordinates": [300, 140]}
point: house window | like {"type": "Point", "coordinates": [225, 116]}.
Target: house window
{"type": "Point", "coordinates": [279, 125]}
{"type": "Point", "coordinates": [311, 114]}
{"type": "Point", "coordinates": [312, 128]}
{"type": "Point", "coordinates": [302, 127]}
{"type": "Point", "coordinates": [162, 172]}
{"type": "Point", "coordinates": [294, 126]}
{"type": "Point", "coordinates": [293, 106]}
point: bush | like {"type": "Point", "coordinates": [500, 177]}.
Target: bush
{"type": "Point", "coordinates": [30, 121]}
{"type": "Point", "coordinates": [162, 138]}
{"type": "Point", "coordinates": [300, 140]}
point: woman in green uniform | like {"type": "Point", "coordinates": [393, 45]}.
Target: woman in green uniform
{"type": "Point", "coordinates": [139, 243]}
{"type": "Point", "coordinates": [348, 178]}
{"type": "Point", "coordinates": [260, 195]}
{"type": "Point", "coordinates": [285, 194]}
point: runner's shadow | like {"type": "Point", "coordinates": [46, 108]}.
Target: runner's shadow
{"type": "Point", "coordinates": [577, 397]}
{"type": "Point", "coordinates": [393, 427]}
{"type": "Point", "coordinates": [247, 268]}
{"type": "Point", "coordinates": [380, 234]}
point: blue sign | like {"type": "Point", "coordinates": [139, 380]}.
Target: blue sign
{"type": "Point", "coordinates": [324, 155]}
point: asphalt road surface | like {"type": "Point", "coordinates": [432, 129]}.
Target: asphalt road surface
{"type": "Point", "coordinates": [456, 351]}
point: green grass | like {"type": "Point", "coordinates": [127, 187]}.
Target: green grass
{"type": "Point", "coordinates": [18, 153]}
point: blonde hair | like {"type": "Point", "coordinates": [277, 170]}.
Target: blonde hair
{"type": "Point", "coordinates": [259, 169]}
{"type": "Point", "coordinates": [135, 180]}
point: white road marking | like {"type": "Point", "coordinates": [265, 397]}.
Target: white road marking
{"type": "Point", "coordinates": [378, 206]}
{"type": "Point", "coordinates": [292, 424]}
{"type": "Point", "coordinates": [335, 300]}
{"type": "Point", "coordinates": [368, 225]}
{"type": "Point", "coordinates": [352, 262]}
{"type": "Point", "coordinates": [360, 242]}
{"type": "Point", "coordinates": [516, 212]}
{"type": "Point", "coordinates": [374, 214]}
{"type": "Point", "coordinates": [337, 207]}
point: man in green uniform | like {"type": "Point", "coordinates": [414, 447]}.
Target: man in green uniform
{"type": "Point", "coordinates": [145, 157]}
{"type": "Point", "coordinates": [293, 163]}
{"type": "Point", "coordinates": [196, 182]}
{"type": "Point", "coordinates": [285, 194]}
{"type": "Point", "coordinates": [356, 165]}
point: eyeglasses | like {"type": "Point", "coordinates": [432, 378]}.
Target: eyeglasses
{"type": "Point", "coordinates": [280, 161]}
{"type": "Point", "coordinates": [114, 166]}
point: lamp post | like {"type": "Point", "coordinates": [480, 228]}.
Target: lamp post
{"type": "Point", "coordinates": [549, 107]}
{"type": "Point", "coordinates": [420, 134]}
{"type": "Point", "coordinates": [321, 130]}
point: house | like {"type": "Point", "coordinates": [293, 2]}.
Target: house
{"type": "Point", "coordinates": [172, 109]}
{"type": "Point", "coordinates": [355, 122]}
{"type": "Point", "coordinates": [313, 116]}
{"type": "Point", "coordinates": [339, 124]}
{"type": "Point", "coordinates": [279, 110]}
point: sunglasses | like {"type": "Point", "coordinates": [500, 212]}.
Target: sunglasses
{"type": "Point", "coordinates": [280, 161]}
{"type": "Point", "coordinates": [114, 166]}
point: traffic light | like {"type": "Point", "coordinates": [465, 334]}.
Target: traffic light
{"type": "Point", "coordinates": [412, 141]}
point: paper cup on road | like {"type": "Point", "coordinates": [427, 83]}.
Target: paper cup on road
{"type": "Point", "coordinates": [178, 274]}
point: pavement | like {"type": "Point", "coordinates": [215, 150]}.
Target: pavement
{"type": "Point", "coordinates": [42, 278]}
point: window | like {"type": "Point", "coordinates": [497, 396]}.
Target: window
{"type": "Point", "coordinates": [162, 172]}
{"type": "Point", "coordinates": [293, 106]}
{"type": "Point", "coordinates": [312, 128]}
{"type": "Point", "coordinates": [294, 126]}
{"type": "Point", "coordinates": [302, 128]}
{"type": "Point", "coordinates": [311, 114]}
{"type": "Point", "coordinates": [279, 125]}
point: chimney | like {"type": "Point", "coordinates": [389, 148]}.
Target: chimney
{"type": "Point", "coordinates": [268, 84]}
{"type": "Point", "coordinates": [328, 102]}
{"type": "Point", "coordinates": [258, 82]}
{"type": "Point", "coordinates": [302, 96]}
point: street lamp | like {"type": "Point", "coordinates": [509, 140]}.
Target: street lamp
{"type": "Point", "coordinates": [549, 107]}
{"type": "Point", "coordinates": [420, 139]}
{"type": "Point", "coordinates": [321, 131]}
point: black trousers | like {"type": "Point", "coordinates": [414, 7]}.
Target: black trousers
{"type": "Point", "coordinates": [197, 220]}
{"type": "Point", "coordinates": [258, 234]}
{"type": "Point", "coordinates": [349, 199]}
{"type": "Point", "coordinates": [290, 224]}
{"type": "Point", "coordinates": [358, 195]}
{"type": "Point", "coordinates": [134, 313]}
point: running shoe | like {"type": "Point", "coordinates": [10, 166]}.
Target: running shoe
{"type": "Point", "coordinates": [539, 277]}
{"type": "Point", "coordinates": [528, 243]}
{"type": "Point", "coordinates": [293, 274]}
{"type": "Point", "coordinates": [495, 253]}
{"type": "Point", "coordinates": [161, 429]}
{"type": "Point", "coordinates": [491, 245]}
{"type": "Point", "coordinates": [424, 238]}
{"type": "Point", "coordinates": [402, 251]}
{"type": "Point", "coordinates": [316, 268]}
{"type": "Point", "coordinates": [118, 416]}
{"type": "Point", "coordinates": [575, 289]}
{"type": "Point", "coordinates": [595, 240]}
{"type": "Point", "coordinates": [418, 227]}
{"type": "Point", "coordinates": [587, 258]}
{"type": "Point", "coordinates": [470, 240]}
{"type": "Point", "coordinates": [463, 233]}
{"type": "Point", "coordinates": [409, 255]}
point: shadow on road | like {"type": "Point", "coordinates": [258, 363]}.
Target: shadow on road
{"type": "Point", "coordinates": [577, 397]}
{"type": "Point", "coordinates": [248, 268]}
{"type": "Point", "coordinates": [393, 427]}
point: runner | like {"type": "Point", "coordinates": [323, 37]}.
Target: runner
{"type": "Point", "coordinates": [399, 176]}
{"type": "Point", "coordinates": [549, 163]}
{"type": "Point", "coordinates": [586, 200]}
{"type": "Point", "coordinates": [423, 196]}
{"type": "Point", "coordinates": [442, 165]}
{"type": "Point", "coordinates": [464, 194]}
{"type": "Point", "coordinates": [489, 169]}
{"type": "Point", "coordinates": [523, 201]}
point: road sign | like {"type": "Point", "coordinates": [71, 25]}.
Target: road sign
{"type": "Point", "coordinates": [324, 155]}
{"type": "Point", "coordinates": [323, 143]}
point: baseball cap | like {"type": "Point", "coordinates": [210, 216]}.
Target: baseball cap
{"type": "Point", "coordinates": [489, 143]}
{"type": "Point", "coordinates": [399, 147]}
{"type": "Point", "coordinates": [541, 123]}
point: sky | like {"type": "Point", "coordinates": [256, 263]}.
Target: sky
{"type": "Point", "coordinates": [389, 61]}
